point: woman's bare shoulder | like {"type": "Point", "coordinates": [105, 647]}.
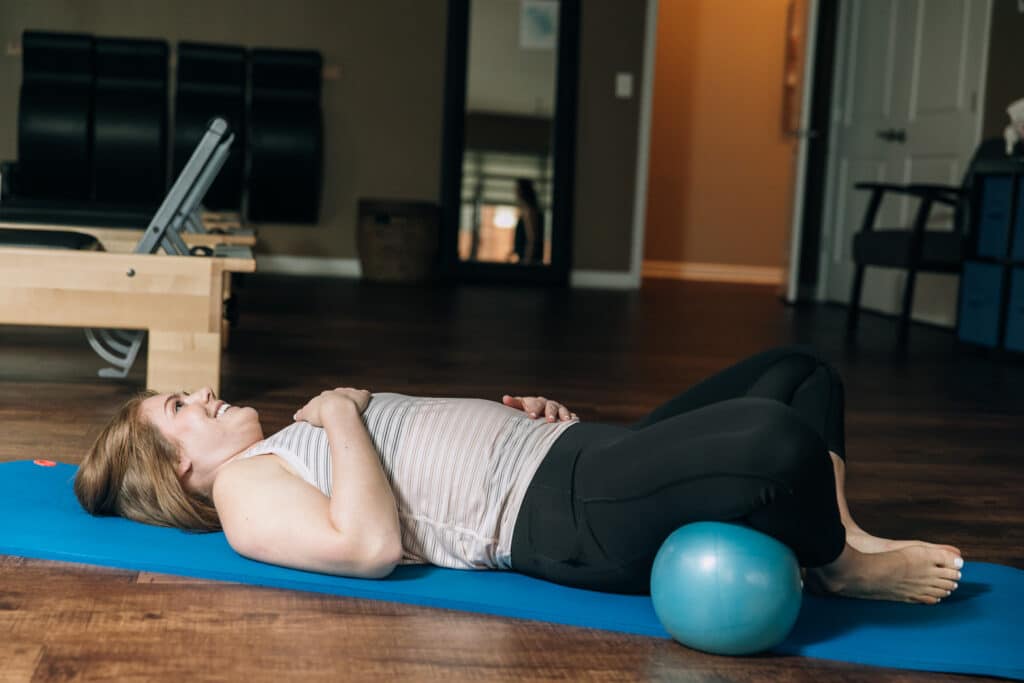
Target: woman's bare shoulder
{"type": "Point", "coordinates": [265, 466]}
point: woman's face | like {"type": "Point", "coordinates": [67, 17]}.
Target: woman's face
{"type": "Point", "coordinates": [209, 434]}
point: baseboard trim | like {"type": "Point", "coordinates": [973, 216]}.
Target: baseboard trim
{"type": "Point", "coordinates": [352, 268]}
{"type": "Point", "coordinates": [309, 265]}
{"type": "Point", "coordinates": [603, 279]}
{"type": "Point", "coordinates": [713, 272]}
{"type": "Point", "coordinates": [583, 279]}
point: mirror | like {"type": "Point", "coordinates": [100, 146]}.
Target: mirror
{"type": "Point", "coordinates": [509, 129]}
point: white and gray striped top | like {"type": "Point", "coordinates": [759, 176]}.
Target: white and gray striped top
{"type": "Point", "coordinates": [458, 467]}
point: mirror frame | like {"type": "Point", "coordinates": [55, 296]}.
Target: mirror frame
{"type": "Point", "coordinates": [563, 147]}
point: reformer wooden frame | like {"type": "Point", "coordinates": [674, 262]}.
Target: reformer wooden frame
{"type": "Point", "coordinates": [178, 301]}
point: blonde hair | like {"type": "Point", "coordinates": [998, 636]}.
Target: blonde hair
{"type": "Point", "coordinates": [131, 471]}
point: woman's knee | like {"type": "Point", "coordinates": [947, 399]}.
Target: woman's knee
{"type": "Point", "coordinates": [808, 351]}
{"type": "Point", "coordinates": [794, 446]}
{"type": "Point", "coordinates": [814, 358]}
{"type": "Point", "coordinates": [804, 350]}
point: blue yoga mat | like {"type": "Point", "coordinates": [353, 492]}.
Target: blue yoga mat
{"type": "Point", "coordinates": [976, 631]}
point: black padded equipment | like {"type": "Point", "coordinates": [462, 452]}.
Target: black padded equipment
{"type": "Point", "coordinates": [48, 239]}
{"type": "Point", "coordinates": [285, 136]}
{"type": "Point", "coordinates": [130, 134]}
{"type": "Point", "coordinates": [54, 117]}
{"type": "Point", "coordinates": [211, 82]}
{"type": "Point", "coordinates": [51, 212]}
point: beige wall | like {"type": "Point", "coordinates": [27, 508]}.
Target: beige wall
{"type": "Point", "coordinates": [383, 115]}
{"type": "Point", "coordinates": [611, 40]}
{"type": "Point", "coordinates": [1005, 57]}
{"type": "Point", "coordinates": [720, 174]}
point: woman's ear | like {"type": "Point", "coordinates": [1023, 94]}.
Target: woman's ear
{"type": "Point", "coordinates": [184, 467]}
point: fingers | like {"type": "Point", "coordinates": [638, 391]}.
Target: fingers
{"type": "Point", "coordinates": [555, 411]}
{"type": "Point", "coordinates": [538, 406]}
{"type": "Point", "coordinates": [535, 406]}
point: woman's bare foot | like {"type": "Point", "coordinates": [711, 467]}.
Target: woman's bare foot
{"type": "Point", "coordinates": [916, 573]}
{"type": "Point", "coordinates": [857, 537]}
{"type": "Point", "coordinates": [866, 543]}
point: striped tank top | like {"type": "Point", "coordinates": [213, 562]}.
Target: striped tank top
{"type": "Point", "coordinates": [458, 467]}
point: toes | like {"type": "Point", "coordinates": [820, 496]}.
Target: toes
{"type": "Point", "coordinates": [951, 548]}
{"type": "Point", "coordinates": [944, 558]}
{"type": "Point", "coordinates": [946, 573]}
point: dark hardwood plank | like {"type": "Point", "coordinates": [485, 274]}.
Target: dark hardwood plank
{"type": "Point", "coordinates": [933, 437]}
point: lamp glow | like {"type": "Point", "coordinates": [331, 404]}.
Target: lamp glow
{"type": "Point", "coordinates": [505, 217]}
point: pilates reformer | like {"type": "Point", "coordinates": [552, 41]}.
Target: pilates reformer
{"type": "Point", "coordinates": [67, 278]}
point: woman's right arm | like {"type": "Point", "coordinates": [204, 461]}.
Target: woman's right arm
{"type": "Point", "coordinates": [362, 507]}
{"type": "Point", "coordinates": [271, 515]}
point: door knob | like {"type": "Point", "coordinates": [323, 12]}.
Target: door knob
{"type": "Point", "coordinates": [893, 134]}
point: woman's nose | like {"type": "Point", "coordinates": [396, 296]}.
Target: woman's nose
{"type": "Point", "coordinates": [202, 395]}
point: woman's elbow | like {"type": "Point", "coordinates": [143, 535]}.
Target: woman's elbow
{"type": "Point", "coordinates": [384, 564]}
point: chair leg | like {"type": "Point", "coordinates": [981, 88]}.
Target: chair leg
{"type": "Point", "coordinates": [908, 302]}
{"type": "Point", "coordinates": [853, 311]}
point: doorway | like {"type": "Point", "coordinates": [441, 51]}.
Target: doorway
{"type": "Point", "coordinates": [907, 108]}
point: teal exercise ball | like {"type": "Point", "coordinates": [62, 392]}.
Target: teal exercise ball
{"type": "Point", "coordinates": [726, 588]}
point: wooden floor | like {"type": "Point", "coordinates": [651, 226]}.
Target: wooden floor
{"type": "Point", "coordinates": [934, 441]}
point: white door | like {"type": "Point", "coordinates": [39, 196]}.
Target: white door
{"type": "Point", "coordinates": [906, 110]}
{"type": "Point", "coordinates": [801, 37]}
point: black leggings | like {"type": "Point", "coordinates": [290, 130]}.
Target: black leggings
{"type": "Point", "coordinates": [749, 444]}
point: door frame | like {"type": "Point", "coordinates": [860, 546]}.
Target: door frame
{"type": "Point", "coordinates": [803, 143]}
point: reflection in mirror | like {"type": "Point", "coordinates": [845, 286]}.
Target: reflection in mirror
{"type": "Point", "coordinates": [507, 170]}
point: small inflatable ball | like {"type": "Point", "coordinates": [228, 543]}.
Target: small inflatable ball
{"type": "Point", "coordinates": [725, 588]}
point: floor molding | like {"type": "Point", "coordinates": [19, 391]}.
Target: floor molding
{"type": "Point", "coordinates": [713, 272]}
{"type": "Point", "coordinates": [352, 268]}
{"type": "Point", "coordinates": [308, 265]}
{"type": "Point", "coordinates": [581, 279]}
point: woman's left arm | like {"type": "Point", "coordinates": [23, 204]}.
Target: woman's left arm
{"type": "Point", "coordinates": [538, 405]}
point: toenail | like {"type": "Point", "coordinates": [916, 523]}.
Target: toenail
{"type": "Point", "coordinates": [958, 576]}
{"type": "Point", "coordinates": [955, 585]}
{"type": "Point", "coordinates": [949, 593]}
{"type": "Point", "coordinates": [959, 562]}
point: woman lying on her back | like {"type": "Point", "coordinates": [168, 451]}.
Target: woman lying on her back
{"type": "Point", "coordinates": [363, 482]}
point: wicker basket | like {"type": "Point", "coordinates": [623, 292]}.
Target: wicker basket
{"type": "Point", "coordinates": [398, 241]}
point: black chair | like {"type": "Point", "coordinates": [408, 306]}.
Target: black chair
{"type": "Point", "coordinates": [130, 135]}
{"type": "Point", "coordinates": [55, 110]}
{"type": "Point", "coordinates": [285, 136]}
{"type": "Point", "coordinates": [211, 83]}
{"type": "Point", "coordinates": [915, 249]}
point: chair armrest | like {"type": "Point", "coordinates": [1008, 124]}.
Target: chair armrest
{"type": "Point", "coordinates": [944, 189]}
{"type": "Point", "coordinates": [945, 194]}
{"type": "Point", "coordinates": [880, 186]}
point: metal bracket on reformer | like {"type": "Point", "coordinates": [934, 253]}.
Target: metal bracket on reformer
{"type": "Point", "coordinates": [181, 203]}
{"type": "Point", "coordinates": [179, 210]}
